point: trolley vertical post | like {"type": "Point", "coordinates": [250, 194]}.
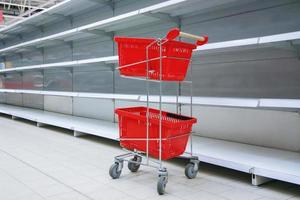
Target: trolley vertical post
{"type": "Point", "coordinates": [191, 106]}
{"type": "Point", "coordinates": [160, 93]}
{"type": "Point", "coordinates": [147, 113]}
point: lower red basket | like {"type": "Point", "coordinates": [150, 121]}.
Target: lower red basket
{"type": "Point", "coordinates": [133, 129]}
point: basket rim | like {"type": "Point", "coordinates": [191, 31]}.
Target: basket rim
{"type": "Point", "coordinates": [126, 112]}
{"type": "Point", "coordinates": [141, 40]}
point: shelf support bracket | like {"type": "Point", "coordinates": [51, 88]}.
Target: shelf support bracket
{"type": "Point", "coordinates": [19, 51]}
{"type": "Point", "coordinates": [55, 42]}
{"type": "Point", "coordinates": [258, 180]}
{"type": "Point", "coordinates": [78, 134]}
{"type": "Point", "coordinates": [33, 27]}
{"type": "Point", "coordinates": [105, 2]}
{"type": "Point", "coordinates": [110, 65]}
{"type": "Point", "coordinates": [100, 33]}
{"type": "Point", "coordinates": [14, 117]}
{"type": "Point", "coordinates": [39, 124]}
{"type": "Point", "coordinates": [296, 46]}
{"type": "Point", "coordinates": [60, 16]}
{"type": "Point", "coordinates": [164, 17]}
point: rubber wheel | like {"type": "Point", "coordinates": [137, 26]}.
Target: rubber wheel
{"type": "Point", "coordinates": [161, 185]}
{"type": "Point", "coordinates": [113, 171]}
{"type": "Point", "coordinates": [190, 171]}
{"type": "Point", "coordinates": [134, 167]}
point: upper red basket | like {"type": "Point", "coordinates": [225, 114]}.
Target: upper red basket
{"type": "Point", "coordinates": [176, 56]}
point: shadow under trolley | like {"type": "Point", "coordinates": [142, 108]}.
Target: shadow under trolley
{"type": "Point", "coordinates": [151, 135]}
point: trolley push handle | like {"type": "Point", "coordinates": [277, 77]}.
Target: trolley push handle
{"type": "Point", "coordinates": [175, 32]}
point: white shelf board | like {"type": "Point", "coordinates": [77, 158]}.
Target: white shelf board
{"type": "Point", "coordinates": [272, 163]}
{"type": "Point", "coordinates": [86, 125]}
{"type": "Point", "coordinates": [228, 101]}
{"type": "Point", "coordinates": [74, 94]}
{"type": "Point", "coordinates": [207, 101]}
{"type": "Point", "coordinates": [228, 44]}
{"type": "Point", "coordinates": [108, 59]}
{"type": "Point", "coordinates": [279, 103]}
{"type": "Point", "coordinates": [203, 101]}
{"type": "Point", "coordinates": [280, 37]}
{"type": "Point", "coordinates": [248, 43]}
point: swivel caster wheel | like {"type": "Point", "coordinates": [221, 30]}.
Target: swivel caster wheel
{"type": "Point", "coordinates": [190, 170]}
{"type": "Point", "coordinates": [161, 185]}
{"type": "Point", "coordinates": [114, 171]}
{"type": "Point", "coordinates": [133, 166]}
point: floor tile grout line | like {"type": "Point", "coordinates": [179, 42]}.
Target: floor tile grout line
{"type": "Point", "coordinates": [49, 176]}
{"type": "Point", "coordinates": [14, 178]}
{"type": "Point", "coordinates": [34, 192]}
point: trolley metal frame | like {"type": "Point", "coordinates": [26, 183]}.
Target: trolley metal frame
{"type": "Point", "coordinates": [135, 158]}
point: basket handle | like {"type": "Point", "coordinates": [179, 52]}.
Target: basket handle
{"type": "Point", "coordinates": [175, 32]}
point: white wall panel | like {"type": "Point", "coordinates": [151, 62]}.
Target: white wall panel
{"type": "Point", "coordinates": [14, 99]}
{"type": "Point", "coordinates": [96, 13]}
{"type": "Point", "coordinates": [33, 101]}
{"type": "Point", "coordinates": [58, 104]}
{"type": "Point", "coordinates": [13, 81]}
{"type": "Point", "coordinates": [94, 108]}
{"type": "Point", "coordinates": [2, 98]}
{"type": "Point", "coordinates": [92, 48]}
{"type": "Point", "coordinates": [58, 53]}
{"type": "Point", "coordinates": [2, 81]}
{"type": "Point", "coordinates": [33, 80]}
{"type": "Point", "coordinates": [93, 81]}
{"type": "Point", "coordinates": [58, 26]}
{"type": "Point", "coordinates": [13, 61]}
{"type": "Point", "coordinates": [32, 58]}
{"type": "Point", "coordinates": [123, 6]}
{"type": "Point", "coordinates": [58, 80]}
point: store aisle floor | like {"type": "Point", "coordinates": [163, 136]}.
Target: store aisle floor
{"type": "Point", "coordinates": [49, 163]}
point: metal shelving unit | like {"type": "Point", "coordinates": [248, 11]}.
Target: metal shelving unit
{"type": "Point", "coordinates": [258, 161]}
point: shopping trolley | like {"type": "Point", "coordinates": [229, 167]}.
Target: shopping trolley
{"type": "Point", "coordinates": [149, 133]}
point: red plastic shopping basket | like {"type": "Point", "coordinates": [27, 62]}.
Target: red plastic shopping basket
{"type": "Point", "coordinates": [133, 129]}
{"type": "Point", "coordinates": [175, 58]}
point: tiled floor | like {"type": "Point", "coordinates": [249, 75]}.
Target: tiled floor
{"type": "Point", "coordinates": [49, 163]}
